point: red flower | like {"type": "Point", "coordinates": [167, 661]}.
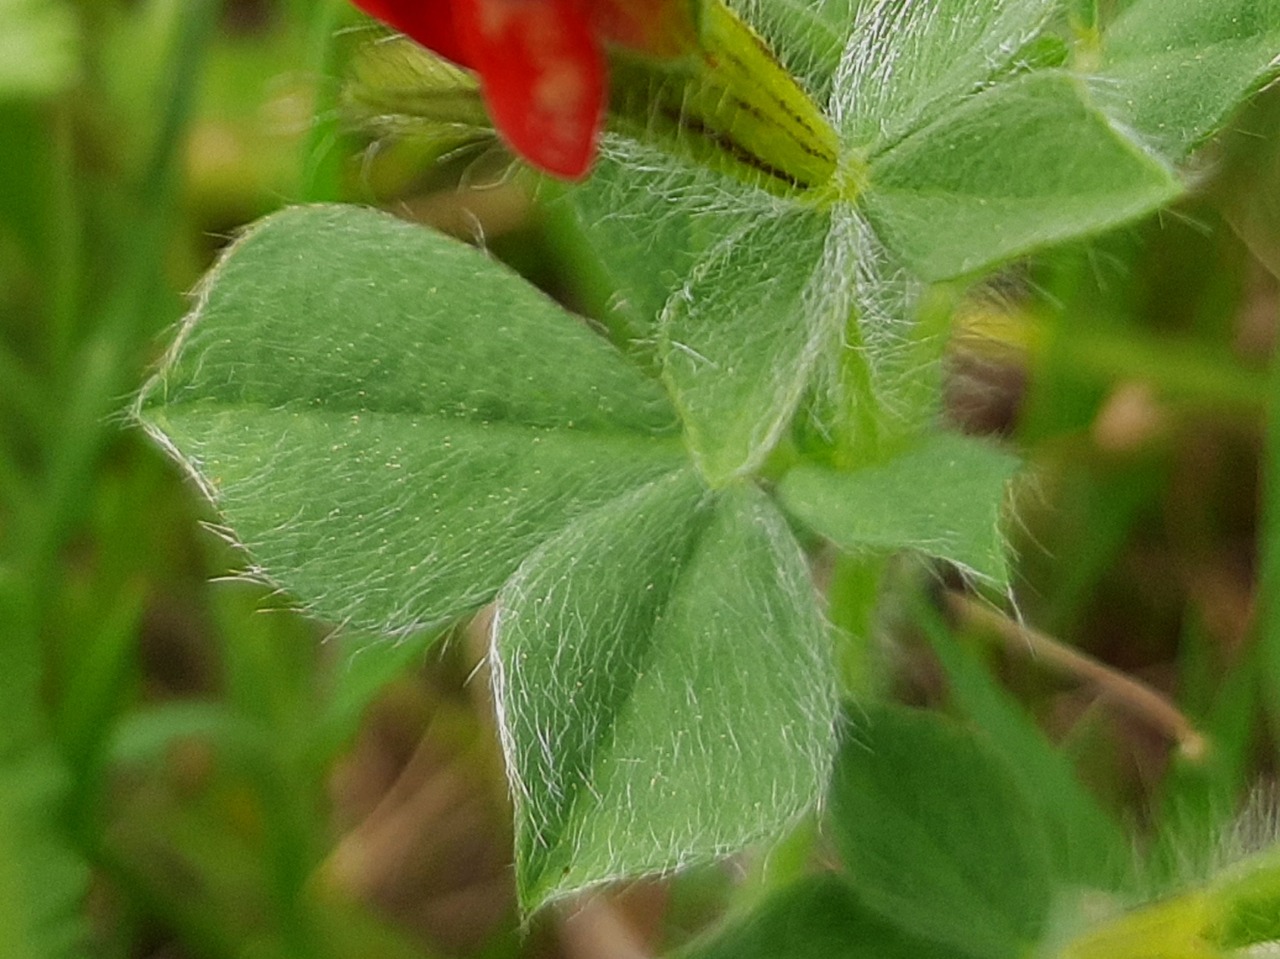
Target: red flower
{"type": "Point", "coordinates": [542, 62]}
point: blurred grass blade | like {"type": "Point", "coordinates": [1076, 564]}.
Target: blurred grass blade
{"type": "Point", "coordinates": [1269, 545]}
{"type": "Point", "coordinates": [42, 883]}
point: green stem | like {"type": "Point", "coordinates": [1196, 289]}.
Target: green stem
{"type": "Point", "coordinates": [1175, 369]}
{"type": "Point", "coordinates": [858, 427]}
{"type": "Point", "coordinates": [1268, 589]}
{"type": "Point", "coordinates": [67, 266]}
{"type": "Point", "coordinates": [321, 178]}
{"type": "Point", "coordinates": [852, 600]}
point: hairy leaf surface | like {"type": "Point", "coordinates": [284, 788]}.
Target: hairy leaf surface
{"type": "Point", "coordinates": [1175, 69]}
{"type": "Point", "coordinates": [943, 497]}
{"type": "Point", "coordinates": [1024, 164]}
{"type": "Point", "coordinates": [389, 422]}
{"type": "Point", "coordinates": [907, 63]}
{"type": "Point", "coordinates": [742, 337]}
{"type": "Point", "coordinates": [664, 687]}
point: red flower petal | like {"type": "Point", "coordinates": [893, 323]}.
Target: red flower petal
{"type": "Point", "coordinates": [542, 71]}
{"type": "Point", "coordinates": [429, 22]}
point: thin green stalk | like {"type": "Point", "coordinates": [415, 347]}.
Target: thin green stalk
{"type": "Point", "coordinates": [1138, 699]}
{"type": "Point", "coordinates": [141, 276]}
{"type": "Point", "coordinates": [1182, 370]}
{"type": "Point", "coordinates": [852, 599]}
{"type": "Point", "coordinates": [66, 242]}
{"type": "Point", "coordinates": [203, 933]}
{"type": "Point", "coordinates": [321, 162]}
{"type": "Point", "coordinates": [1268, 589]}
{"type": "Point", "coordinates": [96, 375]}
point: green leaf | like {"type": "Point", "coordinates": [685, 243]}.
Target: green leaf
{"type": "Point", "coordinates": [818, 918]}
{"type": "Point", "coordinates": [906, 64]}
{"type": "Point", "coordinates": [943, 497]}
{"type": "Point", "coordinates": [901, 335]}
{"type": "Point", "coordinates": [401, 89]}
{"type": "Point", "coordinates": [737, 286]}
{"type": "Point", "coordinates": [647, 220]}
{"type": "Point", "coordinates": [37, 47]}
{"type": "Point", "coordinates": [42, 882]}
{"type": "Point", "coordinates": [389, 422]}
{"type": "Point", "coordinates": [1024, 164]}
{"type": "Point", "coordinates": [743, 336]}
{"type": "Point", "coordinates": [1175, 69]}
{"type": "Point", "coordinates": [937, 836]}
{"type": "Point", "coordinates": [664, 687]}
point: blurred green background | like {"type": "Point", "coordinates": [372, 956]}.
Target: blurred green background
{"type": "Point", "coordinates": [192, 770]}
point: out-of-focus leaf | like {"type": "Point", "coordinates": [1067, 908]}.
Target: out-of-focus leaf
{"type": "Point", "coordinates": [42, 882]}
{"type": "Point", "coordinates": [938, 837]}
{"type": "Point", "coordinates": [1085, 846]}
{"type": "Point", "coordinates": [818, 918]}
